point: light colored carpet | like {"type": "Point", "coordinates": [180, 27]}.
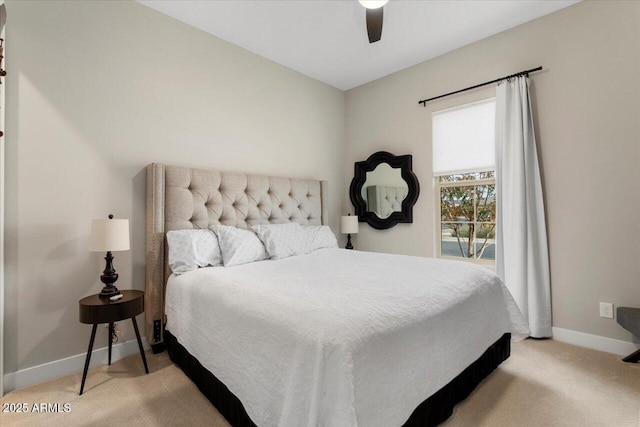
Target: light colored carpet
{"type": "Point", "coordinates": [544, 383]}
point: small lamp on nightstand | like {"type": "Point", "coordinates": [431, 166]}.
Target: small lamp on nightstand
{"type": "Point", "coordinates": [349, 226]}
{"type": "Point", "coordinates": [109, 235]}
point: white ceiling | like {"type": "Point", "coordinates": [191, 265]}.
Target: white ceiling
{"type": "Point", "coordinates": [327, 40]}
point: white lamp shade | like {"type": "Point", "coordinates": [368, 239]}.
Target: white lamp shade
{"type": "Point", "coordinates": [349, 224]}
{"type": "Point", "coordinates": [109, 235]}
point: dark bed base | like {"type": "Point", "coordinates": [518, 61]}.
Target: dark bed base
{"type": "Point", "coordinates": [431, 412]}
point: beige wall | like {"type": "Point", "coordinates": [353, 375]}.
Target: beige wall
{"type": "Point", "coordinates": [587, 101]}
{"type": "Point", "coordinates": [95, 92]}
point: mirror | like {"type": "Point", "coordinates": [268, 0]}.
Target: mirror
{"type": "Point", "coordinates": [384, 190]}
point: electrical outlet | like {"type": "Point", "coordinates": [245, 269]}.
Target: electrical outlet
{"type": "Point", "coordinates": [606, 310]}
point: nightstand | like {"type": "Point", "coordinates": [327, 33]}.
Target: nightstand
{"type": "Point", "coordinates": [95, 310]}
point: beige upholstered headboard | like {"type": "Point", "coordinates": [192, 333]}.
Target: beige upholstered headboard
{"type": "Point", "coordinates": [184, 198]}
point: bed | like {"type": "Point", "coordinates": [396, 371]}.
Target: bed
{"type": "Point", "coordinates": [332, 338]}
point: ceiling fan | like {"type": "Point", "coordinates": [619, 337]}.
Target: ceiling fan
{"type": "Point", "coordinates": [374, 18]}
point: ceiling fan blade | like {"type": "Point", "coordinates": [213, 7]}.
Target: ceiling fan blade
{"type": "Point", "coordinates": [374, 24]}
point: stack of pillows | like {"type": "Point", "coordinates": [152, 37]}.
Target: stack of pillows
{"type": "Point", "coordinates": [226, 245]}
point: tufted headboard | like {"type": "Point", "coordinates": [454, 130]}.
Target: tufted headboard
{"type": "Point", "coordinates": [184, 198]}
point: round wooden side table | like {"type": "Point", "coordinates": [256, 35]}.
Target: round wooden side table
{"type": "Point", "coordinates": [96, 310]}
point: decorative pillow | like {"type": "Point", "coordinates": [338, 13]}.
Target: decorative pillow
{"type": "Point", "coordinates": [239, 246]}
{"type": "Point", "coordinates": [192, 249]}
{"type": "Point", "coordinates": [320, 236]}
{"type": "Point", "coordinates": [283, 240]}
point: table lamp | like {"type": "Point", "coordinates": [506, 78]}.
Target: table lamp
{"type": "Point", "coordinates": [109, 235]}
{"type": "Point", "coordinates": [349, 226]}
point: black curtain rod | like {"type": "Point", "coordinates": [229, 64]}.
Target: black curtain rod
{"type": "Point", "coordinates": [521, 73]}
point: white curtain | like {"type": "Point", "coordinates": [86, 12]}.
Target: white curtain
{"type": "Point", "coordinates": [522, 259]}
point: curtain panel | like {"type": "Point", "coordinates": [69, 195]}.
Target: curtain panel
{"type": "Point", "coordinates": [522, 258]}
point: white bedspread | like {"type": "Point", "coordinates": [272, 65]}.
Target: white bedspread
{"type": "Point", "coordinates": [336, 337]}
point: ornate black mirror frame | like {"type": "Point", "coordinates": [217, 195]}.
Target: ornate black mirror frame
{"type": "Point", "coordinates": [359, 178]}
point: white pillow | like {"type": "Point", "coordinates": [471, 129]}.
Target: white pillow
{"type": "Point", "coordinates": [320, 236]}
{"type": "Point", "coordinates": [239, 246]}
{"type": "Point", "coordinates": [192, 249]}
{"type": "Point", "coordinates": [283, 240]}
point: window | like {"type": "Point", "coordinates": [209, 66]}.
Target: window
{"type": "Point", "coordinates": [464, 180]}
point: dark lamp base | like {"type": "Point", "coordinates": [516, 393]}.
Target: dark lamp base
{"type": "Point", "coordinates": [109, 291]}
{"type": "Point", "coordinates": [349, 245]}
{"type": "Point", "coordinates": [109, 277]}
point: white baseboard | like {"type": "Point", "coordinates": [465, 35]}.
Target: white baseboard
{"type": "Point", "coordinates": [596, 342]}
{"type": "Point", "coordinates": [68, 365]}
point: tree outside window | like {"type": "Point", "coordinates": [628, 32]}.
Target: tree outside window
{"type": "Point", "coordinates": [468, 215]}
